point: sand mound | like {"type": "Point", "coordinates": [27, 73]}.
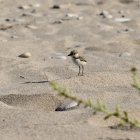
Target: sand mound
{"type": "Point", "coordinates": [33, 102]}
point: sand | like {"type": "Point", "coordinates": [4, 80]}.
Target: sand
{"type": "Point", "coordinates": [111, 48]}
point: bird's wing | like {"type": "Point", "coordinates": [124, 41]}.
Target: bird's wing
{"type": "Point", "coordinates": [82, 59]}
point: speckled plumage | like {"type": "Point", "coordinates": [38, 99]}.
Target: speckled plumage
{"type": "Point", "coordinates": [78, 60]}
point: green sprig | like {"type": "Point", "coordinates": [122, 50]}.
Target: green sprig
{"type": "Point", "coordinates": [98, 107]}
{"type": "Point", "coordinates": [136, 83]}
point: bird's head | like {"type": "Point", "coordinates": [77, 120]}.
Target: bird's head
{"type": "Point", "coordinates": [73, 53]}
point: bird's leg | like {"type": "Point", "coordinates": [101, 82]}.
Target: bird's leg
{"type": "Point", "coordinates": [82, 70]}
{"type": "Point", "coordinates": [79, 70]}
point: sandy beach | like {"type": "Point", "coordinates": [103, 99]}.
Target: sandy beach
{"type": "Point", "coordinates": [105, 32]}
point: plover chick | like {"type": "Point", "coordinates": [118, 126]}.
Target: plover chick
{"type": "Point", "coordinates": [78, 60]}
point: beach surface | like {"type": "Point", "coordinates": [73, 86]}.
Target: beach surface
{"type": "Point", "coordinates": [106, 33]}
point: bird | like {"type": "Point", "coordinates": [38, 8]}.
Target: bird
{"type": "Point", "coordinates": [78, 60]}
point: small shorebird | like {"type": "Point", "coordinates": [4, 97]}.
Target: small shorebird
{"type": "Point", "coordinates": [78, 60]}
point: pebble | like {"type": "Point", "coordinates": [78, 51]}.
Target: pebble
{"type": "Point", "coordinates": [67, 106]}
{"type": "Point", "coordinates": [5, 27]}
{"type": "Point", "coordinates": [56, 7]}
{"type": "Point", "coordinates": [33, 11]}
{"type": "Point", "coordinates": [122, 20]}
{"type": "Point", "coordinates": [36, 5]}
{"type": "Point", "coordinates": [99, 1]}
{"type": "Point", "coordinates": [125, 30]}
{"type": "Point", "coordinates": [14, 37]}
{"type": "Point", "coordinates": [59, 57]}
{"type": "Point", "coordinates": [57, 22]}
{"type": "Point", "coordinates": [83, 4]}
{"type": "Point", "coordinates": [79, 18]}
{"type": "Point", "coordinates": [125, 54]}
{"type": "Point", "coordinates": [7, 19]}
{"type": "Point", "coordinates": [24, 15]}
{"type": "Point", "coordinates": [27, 14]}
{"type": "Point", "coordinates": [126, 1]}
{"type": "Point", "coordinates": [72, 16]}
{"type": "Point", "coordinates": [24, 7]}
{"type": "Point", "coordinates": [25, 55]}
{"type": "Point", "coordinates": [31, 27]}
{"type": "Point", "coordinates": [4, 40]}
{"type": "Point", "coordinates": [22, 77]}
{"type": "Point", "coordinates": [121, 12]}
{"type": "Point", "coordinates": [77, 46]}
{"type": "Point", "coordinates": [105, 14]}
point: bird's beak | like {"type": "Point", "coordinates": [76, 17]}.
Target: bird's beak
{"type": "Point", "coordinates": [69, 54]}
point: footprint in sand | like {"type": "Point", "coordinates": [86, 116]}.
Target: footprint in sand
{"type": "Point", "coordinates": [31, 102]}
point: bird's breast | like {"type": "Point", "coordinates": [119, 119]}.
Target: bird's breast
{"type": "Point", "coordinates": [78, 62]}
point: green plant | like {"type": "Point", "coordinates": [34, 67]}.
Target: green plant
{"type": "Point", "coordinates": [136, 83]}
{"type": "Point", "coordinates": [98, 107]}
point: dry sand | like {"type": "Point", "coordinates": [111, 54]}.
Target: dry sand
{"type": "Point", "coordinates": [27, 102]}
